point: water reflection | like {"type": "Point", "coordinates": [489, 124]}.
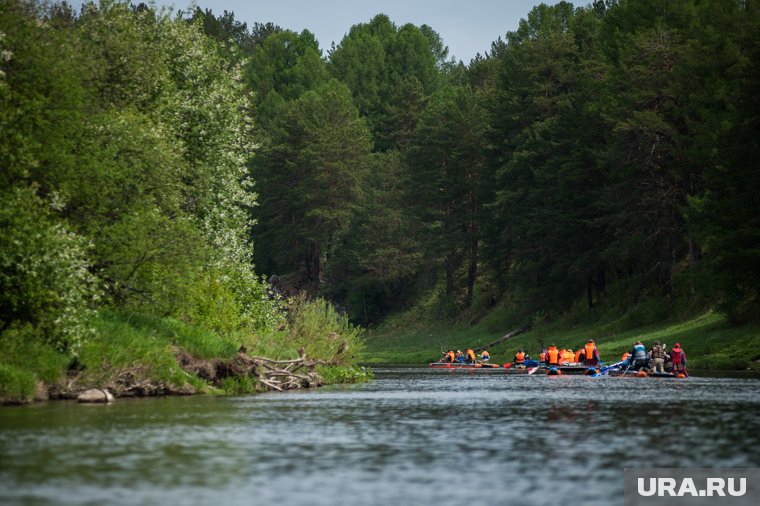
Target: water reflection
{"type": "Point", "coordinates": [411, 437]}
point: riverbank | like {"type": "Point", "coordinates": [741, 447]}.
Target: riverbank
{"type": "Point", "coordinates": [133, 354]}
{"type": "Point", "coordinates": [710, 342]}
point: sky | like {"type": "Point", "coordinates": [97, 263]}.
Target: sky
{"type": "Point", "coordinates": [467, 26]}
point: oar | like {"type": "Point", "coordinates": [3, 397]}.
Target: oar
{"type": "Point", "coordinates": [532, 370]}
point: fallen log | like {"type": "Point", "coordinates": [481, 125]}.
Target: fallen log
{"type": "Point", "coordinates": [507, 336]}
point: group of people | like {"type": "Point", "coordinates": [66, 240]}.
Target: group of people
{"type": "Point", "coordinates": [468, 357]}
{"type": "Point", "coordinates": [587, 355]}
{"type": "Point", "coordinates": [656, 359]}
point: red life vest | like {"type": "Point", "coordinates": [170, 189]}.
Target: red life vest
{"type": "Point", "coordinates": [677, 355]}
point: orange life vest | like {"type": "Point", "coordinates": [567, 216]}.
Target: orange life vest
{"type": "Point", "coordinates": [578, 355]}
{"type": "Point", "coordinates": [568, 356]}
{"type": "Point", "coordinates": [590, 351]}
{"type": "Point", "coordinates": [450, 356]}
{"type": "Point", "coordinates": [471, 354]}
{"type": "Point", "coordinates": [519, 357]}
{"type": "Point", "coordinates": [552, 355]}
{"type": "Point", "coordinates": [625, 356]}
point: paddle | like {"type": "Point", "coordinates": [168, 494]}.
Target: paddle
{"type": "Point", "coordinates": [532, 370]}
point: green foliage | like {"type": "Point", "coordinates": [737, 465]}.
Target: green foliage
{"type": "Point", "coordinates": [44, 277]}
{"type": "Point", "coordinates": [377, 261]}
{"type": "Point", "coordinates": [239, 386]}
{"type": "Point", "coordinates": [136, 132]}
{"type": "Point", "coordinates": [198, 341]}
{"type": "Point", "coordinates": [309, 177]}
{"type": "Point", "coordinates": [377, 60]}
{"type": "Point", "coordinates": [23, 349]}
{"type": "Point", "coordinates": [324, 332]}
{"type": "Point", "coordinates": [318, 328]}
{"type": "Point", "coordinates": [237, 38]}
{"type": "Point", "coordinates": [345, 374]}
{"type": "Point", "coordinates": [449, 156]}
{"type": "Point", "coordinates": [284, 67]}
{"type": "Point", "coordinates": [601, 154]}
{"type": "Point", "coordinates": [125, 348]}
{"type": "Point", "coordinates": [16, 385]}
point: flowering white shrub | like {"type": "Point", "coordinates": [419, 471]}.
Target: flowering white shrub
{"type": "Point", "coordinates": [44, 272]}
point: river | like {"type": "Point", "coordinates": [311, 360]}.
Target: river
{"type": "Point", "coordinates": [410, 437]}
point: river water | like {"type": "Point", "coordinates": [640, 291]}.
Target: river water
{"type": "Point", "coordinates": [410, 437]}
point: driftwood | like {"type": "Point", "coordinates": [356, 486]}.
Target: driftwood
{"type": "Point", "coordinates": [135, 381]}
{"type": "Point", "coordinates": [272, 374]}
{"type": "Point", "coordinates": [506, 337]}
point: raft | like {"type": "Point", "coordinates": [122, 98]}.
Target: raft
{"type": "Point", "coordinates": [633, 374]}
{"type": "Point", "coordinates": [460, 365]}
{"type": "Point", "coordinates": [525, 370]}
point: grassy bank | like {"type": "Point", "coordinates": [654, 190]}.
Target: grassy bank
{"type": "Point", "coordinates": [709, 341]}
{"type": "Point", "coordinates": [143, 349]}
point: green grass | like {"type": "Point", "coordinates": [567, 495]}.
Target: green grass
{"type": "Point", "coordinates": [24, 361]}
{"type": "Point", "coordinates": [145, 348]}
{"type": "Point", "coordinates": [709, 341]}
{"type": "Point", "coordinates": [16, 385]}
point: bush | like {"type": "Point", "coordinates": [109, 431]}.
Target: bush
{"type": "Point", "coordinates": [44, 276]}
{"type": "Point", "coordinates": [23, 349]}
{"type": "Point", "coordinates": [345, 374]}
{"type": "Point", "coordinates": [316, 326]}
{"type": "Point", "coordinates": [16, 385]}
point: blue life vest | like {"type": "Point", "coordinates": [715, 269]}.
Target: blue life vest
{"type": "Point", "coordinates": [639, 352]}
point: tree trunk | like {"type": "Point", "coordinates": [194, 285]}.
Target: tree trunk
{"type": "Point", "coordinates": [695, 252]}
{"type": "Point", "coordinates": [449, 274]}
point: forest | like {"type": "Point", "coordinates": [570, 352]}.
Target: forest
{"type": "Point", "coordinates": [190, 166]}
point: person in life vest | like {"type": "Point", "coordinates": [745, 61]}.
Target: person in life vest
{"type": "Point", "coordinates": [568, 357]}
{"type": "Point", "coordinates": [638, 358]}
{"type": "Point", "coordinates": [579, 354]}
{"type": "Point", "coordinates": [470, 358]}
{"type": "Point", "coordinates": [459, 357]}
{"type": "Point", "coordinates": [552, 355]}
{"type": "Point", "coordinates": [657, 353]}
{"type": "Point", "coordinates": [678, 357]}
{"type": "Point", "coordinates": [625, 356]}
{"type": "Point", "coordinates": [542, 355]}
{"type": "Point", "coordinates": [485, 356]}
{"type": "Point", "coordinates": [520, 358]}
{"type": "Point", "coordinates": [592, 353]}
{"type": "Point", "coordinates": [449, 356]}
